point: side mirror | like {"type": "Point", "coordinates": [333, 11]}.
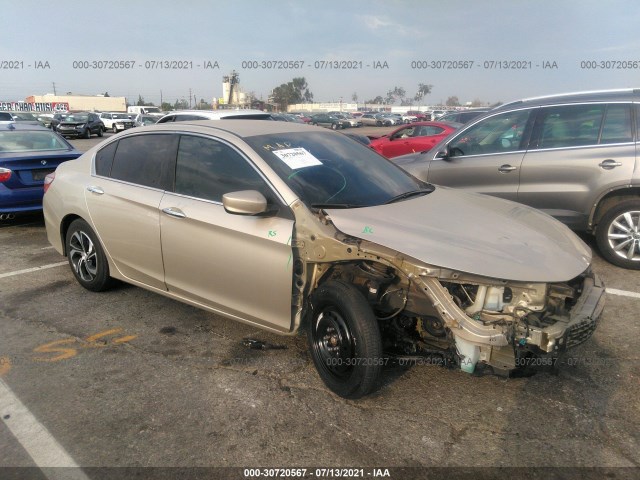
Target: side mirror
{"type": "Point", "coordinates": [444, 154]}
{"type": "Point", "coordinates": [244, 202]}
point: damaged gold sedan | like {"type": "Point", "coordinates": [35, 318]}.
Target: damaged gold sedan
{"type": "Point", "coordinates": [291, 227]}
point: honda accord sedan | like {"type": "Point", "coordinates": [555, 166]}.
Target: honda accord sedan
{"type": "Point", "coordinates": [294, 228]}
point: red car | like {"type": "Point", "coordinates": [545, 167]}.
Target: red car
{"type": "Point", "coordinates": [414, 137]}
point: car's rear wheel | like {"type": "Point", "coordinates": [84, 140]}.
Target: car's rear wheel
{"type": "Point", "coordinates": [618, 235]}
{"type": "Point", "coordinates": [344, 339]}
{"type": "Point", "coordinates": [86, 257]}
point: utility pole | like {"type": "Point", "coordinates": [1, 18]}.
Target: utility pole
{"type": "Point", "coordinates": [161, 102]}
{"type": "Point", "coordinates": [54, 87]}
{"type": "Point", "coordinates": [189, 98]}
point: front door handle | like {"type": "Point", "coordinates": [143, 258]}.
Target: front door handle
{"type": "Point", "coordinates": [174, 212]}
{"type": "Point", "coordinates": [506, 168]}
{"type": "Point", "coordinates": [96, 190]}
{"type": "Point", "coordinates": [609, 164]}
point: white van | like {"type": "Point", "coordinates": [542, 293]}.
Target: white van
{"type": "Point", "coordinates": [144, 109]}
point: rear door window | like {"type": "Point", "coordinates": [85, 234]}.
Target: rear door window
{"type": "Point", "coordinates": [569, 125]}
{"type": "Point", "coordinates": [146, 160]}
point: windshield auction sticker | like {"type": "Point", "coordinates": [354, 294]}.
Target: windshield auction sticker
{"type": "Point", "coordinates": [296, 158]}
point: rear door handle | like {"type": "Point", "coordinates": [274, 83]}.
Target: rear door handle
{"type": "Point", "coordinates": [506, 168]}
{"type": "Point", "coordinates": [609, 164]}
{"type": "Point", "coordinates": [174, 212]}
{"type": "Point", "coordinates": [94, 189]}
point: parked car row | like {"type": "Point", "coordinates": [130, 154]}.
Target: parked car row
{"type": "Point", "coordinates": [335, 120]}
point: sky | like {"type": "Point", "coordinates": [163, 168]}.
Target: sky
{"type": "Point", "coordinates": [463, 48]}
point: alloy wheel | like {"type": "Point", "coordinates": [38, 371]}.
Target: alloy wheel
{"type": "Point", "coordinates": [83, 256]}
{"type": "Point", "coordinates": [624, 235]}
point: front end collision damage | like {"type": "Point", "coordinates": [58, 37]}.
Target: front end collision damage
{"type": "Point", "coordinates": [449, 317]}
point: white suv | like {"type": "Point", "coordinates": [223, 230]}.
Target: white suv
{"type": "Point", "coordinates": [116, 122]}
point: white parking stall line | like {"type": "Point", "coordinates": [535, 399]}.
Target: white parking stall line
{"type": "Point", "coordinates": [622, 293]}
{"type": "Point", "coordinates": [42, 447]}
{"type": "Point", "coordinates": [29, 270]}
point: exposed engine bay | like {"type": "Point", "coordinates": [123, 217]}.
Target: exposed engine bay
{"type": "Point", "coordinates": [467, 321]}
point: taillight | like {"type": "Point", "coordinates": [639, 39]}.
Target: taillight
{"type": "Point", "coordinates": [48, 180]}
{"type": "Point", "coordinates": [5, 174]}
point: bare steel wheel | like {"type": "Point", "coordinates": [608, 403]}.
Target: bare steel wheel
{"type": "Point", "coordinates": [344, 339]}
{"type": "Point", "coordinates": [86, 257]}
{"type": "Point", "coordinates": [618, 235]}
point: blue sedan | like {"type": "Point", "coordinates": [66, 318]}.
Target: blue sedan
{"type": "Point", "coordinates": [28, 153]}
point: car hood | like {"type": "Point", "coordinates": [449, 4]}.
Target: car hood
{"type": "Point", "coordinates": [471, 233]}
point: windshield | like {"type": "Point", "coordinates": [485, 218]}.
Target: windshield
{"type": "Point", "coordinates": [330, 170]}
{"type": "Point", "coordinates": [76, 118]}
{"type": "Point", "coordinates": [25, 116]}
{"type": "Point", "coordinates": [30, 141]}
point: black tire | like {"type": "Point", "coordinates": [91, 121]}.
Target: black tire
{"type": "Point", "coordinates": [344, 339]}
{"type": "Point", "coordinates": [334, 126]}
{"type": "Point", "coordinates": [115, 130]}
{"type": "Point", "coordinates": [615, 244]}
{"type": "Point", "coordinates": [100, 133]}
{"type": "Point", "coordinates": [87, 133]}
{"type": "Point", "coordinates": [86, 257]}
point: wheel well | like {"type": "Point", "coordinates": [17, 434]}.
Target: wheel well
{"type": "Point", "coordinates": [611, 199]}
{"type": "Point", "coordinates": [64, 226]}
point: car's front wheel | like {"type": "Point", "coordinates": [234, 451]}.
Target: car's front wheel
{"type": "Point", "coordinates": [115, 130]}
{"type": "Point", "coordinates": [100, 132]}
{"type": "Point", "coordinates": [86, 257]}
{"type": "Point", "coordinates": [344, 339]}
{"type": "Point", "coordinates": [87, 133]}
{"type": "Point", "coordinates": [618, 235]}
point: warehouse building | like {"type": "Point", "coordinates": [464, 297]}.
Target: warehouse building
{"type": "Point", "coordinates": [98, 103]}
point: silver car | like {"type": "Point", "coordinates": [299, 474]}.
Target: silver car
{"type": "Point", "coordinates": [290, 227]}
{"type": "Point", "coordinates": [572, 156]}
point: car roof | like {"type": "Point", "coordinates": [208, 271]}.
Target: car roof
{"type": "Point", "coordinates": [217, 114]}
{"type": "Point", "coordinates": [240, 128]}
{"type": "Point", "coordinates": [627, 94]}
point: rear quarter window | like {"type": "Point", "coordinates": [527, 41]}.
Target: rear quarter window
{"type": "Point", "coordinates": [617, 125]}
{"type": "Point", "coordinates": [104, 159]}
